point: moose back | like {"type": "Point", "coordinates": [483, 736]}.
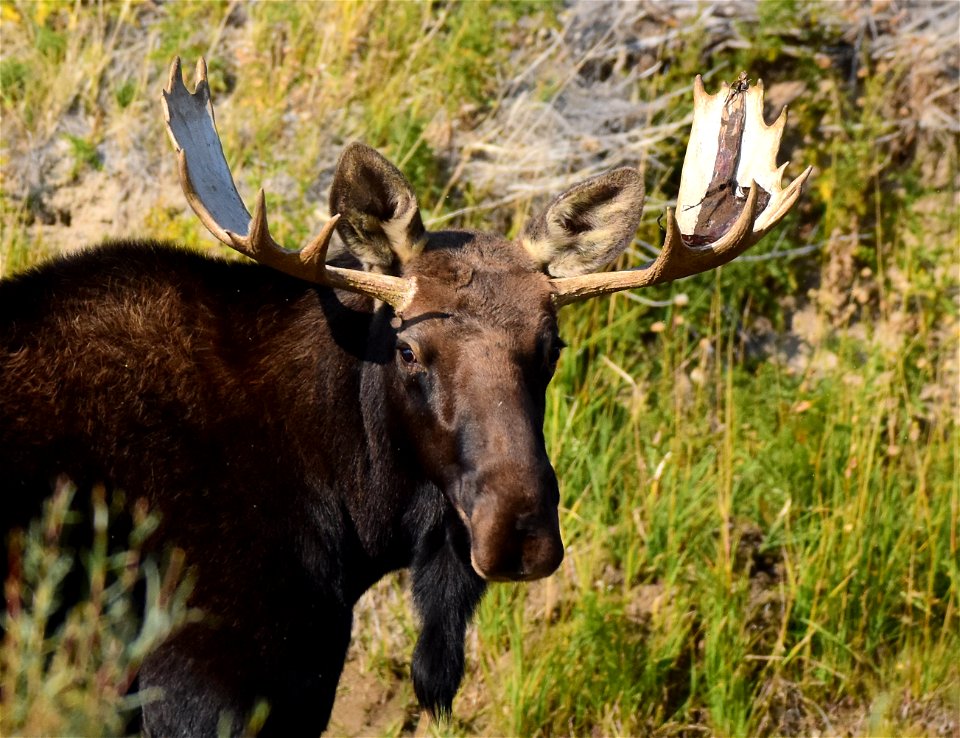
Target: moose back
{"type": "Point", "coordinates": [304, 428]}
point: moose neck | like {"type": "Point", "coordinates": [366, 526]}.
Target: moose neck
{"type": "Point", "coordinates": [388, 504]}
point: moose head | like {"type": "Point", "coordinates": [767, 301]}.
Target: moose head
{"type": "Point", "coordinates": [468, 320]}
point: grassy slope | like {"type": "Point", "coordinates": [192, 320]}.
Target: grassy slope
{"type": "Point", "coordinates": [760, 489]}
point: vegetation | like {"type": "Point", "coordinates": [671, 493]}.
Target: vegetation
{"type": "Point", "coordinates": [759, 466]}
{"type": "Point", "coordinates": [75, 674]}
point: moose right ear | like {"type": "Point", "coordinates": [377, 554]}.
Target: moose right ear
{"type": "Point", "coordinates": [380, 220]}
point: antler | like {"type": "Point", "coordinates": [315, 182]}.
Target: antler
{"type": "Point", "coordinates": [212, 193]}
{"type": "Point", "coordinates": [730, 194]}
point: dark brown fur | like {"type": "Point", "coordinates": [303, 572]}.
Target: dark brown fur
{"type": "Point", "coordinates": [298, 443]}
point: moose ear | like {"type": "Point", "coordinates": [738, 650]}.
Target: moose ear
{"type": "Point", "coordinates": [380, 220]}
{"type": "Point", "coordinates": [588, 226]}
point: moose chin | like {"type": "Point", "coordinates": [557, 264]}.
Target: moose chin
{"type": "Point", "coordinates": [304, 427]}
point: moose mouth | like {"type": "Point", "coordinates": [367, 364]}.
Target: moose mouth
{"type": "Point", "coordinates": [518, 576]}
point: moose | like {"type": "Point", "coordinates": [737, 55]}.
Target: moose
{"type": "Point", "coordinates": [305, 427]}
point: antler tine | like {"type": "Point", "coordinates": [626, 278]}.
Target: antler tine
{"type": "Point", "coordinates": [730, 194]}
{"type": "Point", "coordinates": [212, 193]}
{"type": "Point", "coordinates": [675, 261]}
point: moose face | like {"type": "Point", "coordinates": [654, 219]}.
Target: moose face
{"type": "Point", "coordinates": [476, 344]}
{"type": "Point", "coordinates": [473, 355]}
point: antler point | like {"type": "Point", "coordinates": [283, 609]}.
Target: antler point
{"type": "Point", "coordinates": [174, 76]}
{"type": "Point", "coordinates": [699, 91]}
{"type": "Point", "coordinates": [801, 180]}
{"type": "Point", "coordinates": [260, 210]}
{"type": "Point", "coordinates": [316, 250]}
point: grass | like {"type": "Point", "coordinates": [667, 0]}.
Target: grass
{"type": "Point", "coordinates": [759, 480]}
{"type": "Point", "coordinates": [74, 675]}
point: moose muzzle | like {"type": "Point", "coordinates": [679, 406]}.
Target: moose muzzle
{"type": "Point", "coordinates": [510, 544]}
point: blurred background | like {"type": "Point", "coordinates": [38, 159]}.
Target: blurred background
{"type": "Point", "coordinates": [759, 465]}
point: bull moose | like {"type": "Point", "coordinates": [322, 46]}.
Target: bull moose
{"type": "Point", "coordinates": [303, 428]}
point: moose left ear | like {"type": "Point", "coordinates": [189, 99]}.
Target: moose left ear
{"type": "Point", "coordinates": [588, 226]}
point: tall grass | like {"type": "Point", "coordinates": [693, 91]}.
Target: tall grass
{"type": "Point", "coordinates": [759, 467]}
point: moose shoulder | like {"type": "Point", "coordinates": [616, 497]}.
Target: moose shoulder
{"type": "Point", "coordinates": [304, 428]}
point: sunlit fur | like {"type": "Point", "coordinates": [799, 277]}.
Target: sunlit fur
{"type": "Point", "coordinates": [298, 443]}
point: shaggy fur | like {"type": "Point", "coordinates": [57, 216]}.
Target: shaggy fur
{"type": "Point", "coordinates": [298, 443]}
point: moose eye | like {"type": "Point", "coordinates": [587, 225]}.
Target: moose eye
{"type": "Point", "coordinates": [406, 354]}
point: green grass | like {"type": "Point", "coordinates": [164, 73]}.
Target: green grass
{"type": "Point", "coordinates": [759, 484]}
{"type": "Point", "coordinates": [73, 677]}
{"type": "Point", "coordinates": [852, 517]}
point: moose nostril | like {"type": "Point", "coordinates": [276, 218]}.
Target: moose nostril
{"type": "Point", "coordinates": [528, 524]}
{"type": "Point", "coordinates": [542, 554]}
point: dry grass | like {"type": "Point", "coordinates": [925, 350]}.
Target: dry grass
{"type": "Point", "coordinates": [760, 480]}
